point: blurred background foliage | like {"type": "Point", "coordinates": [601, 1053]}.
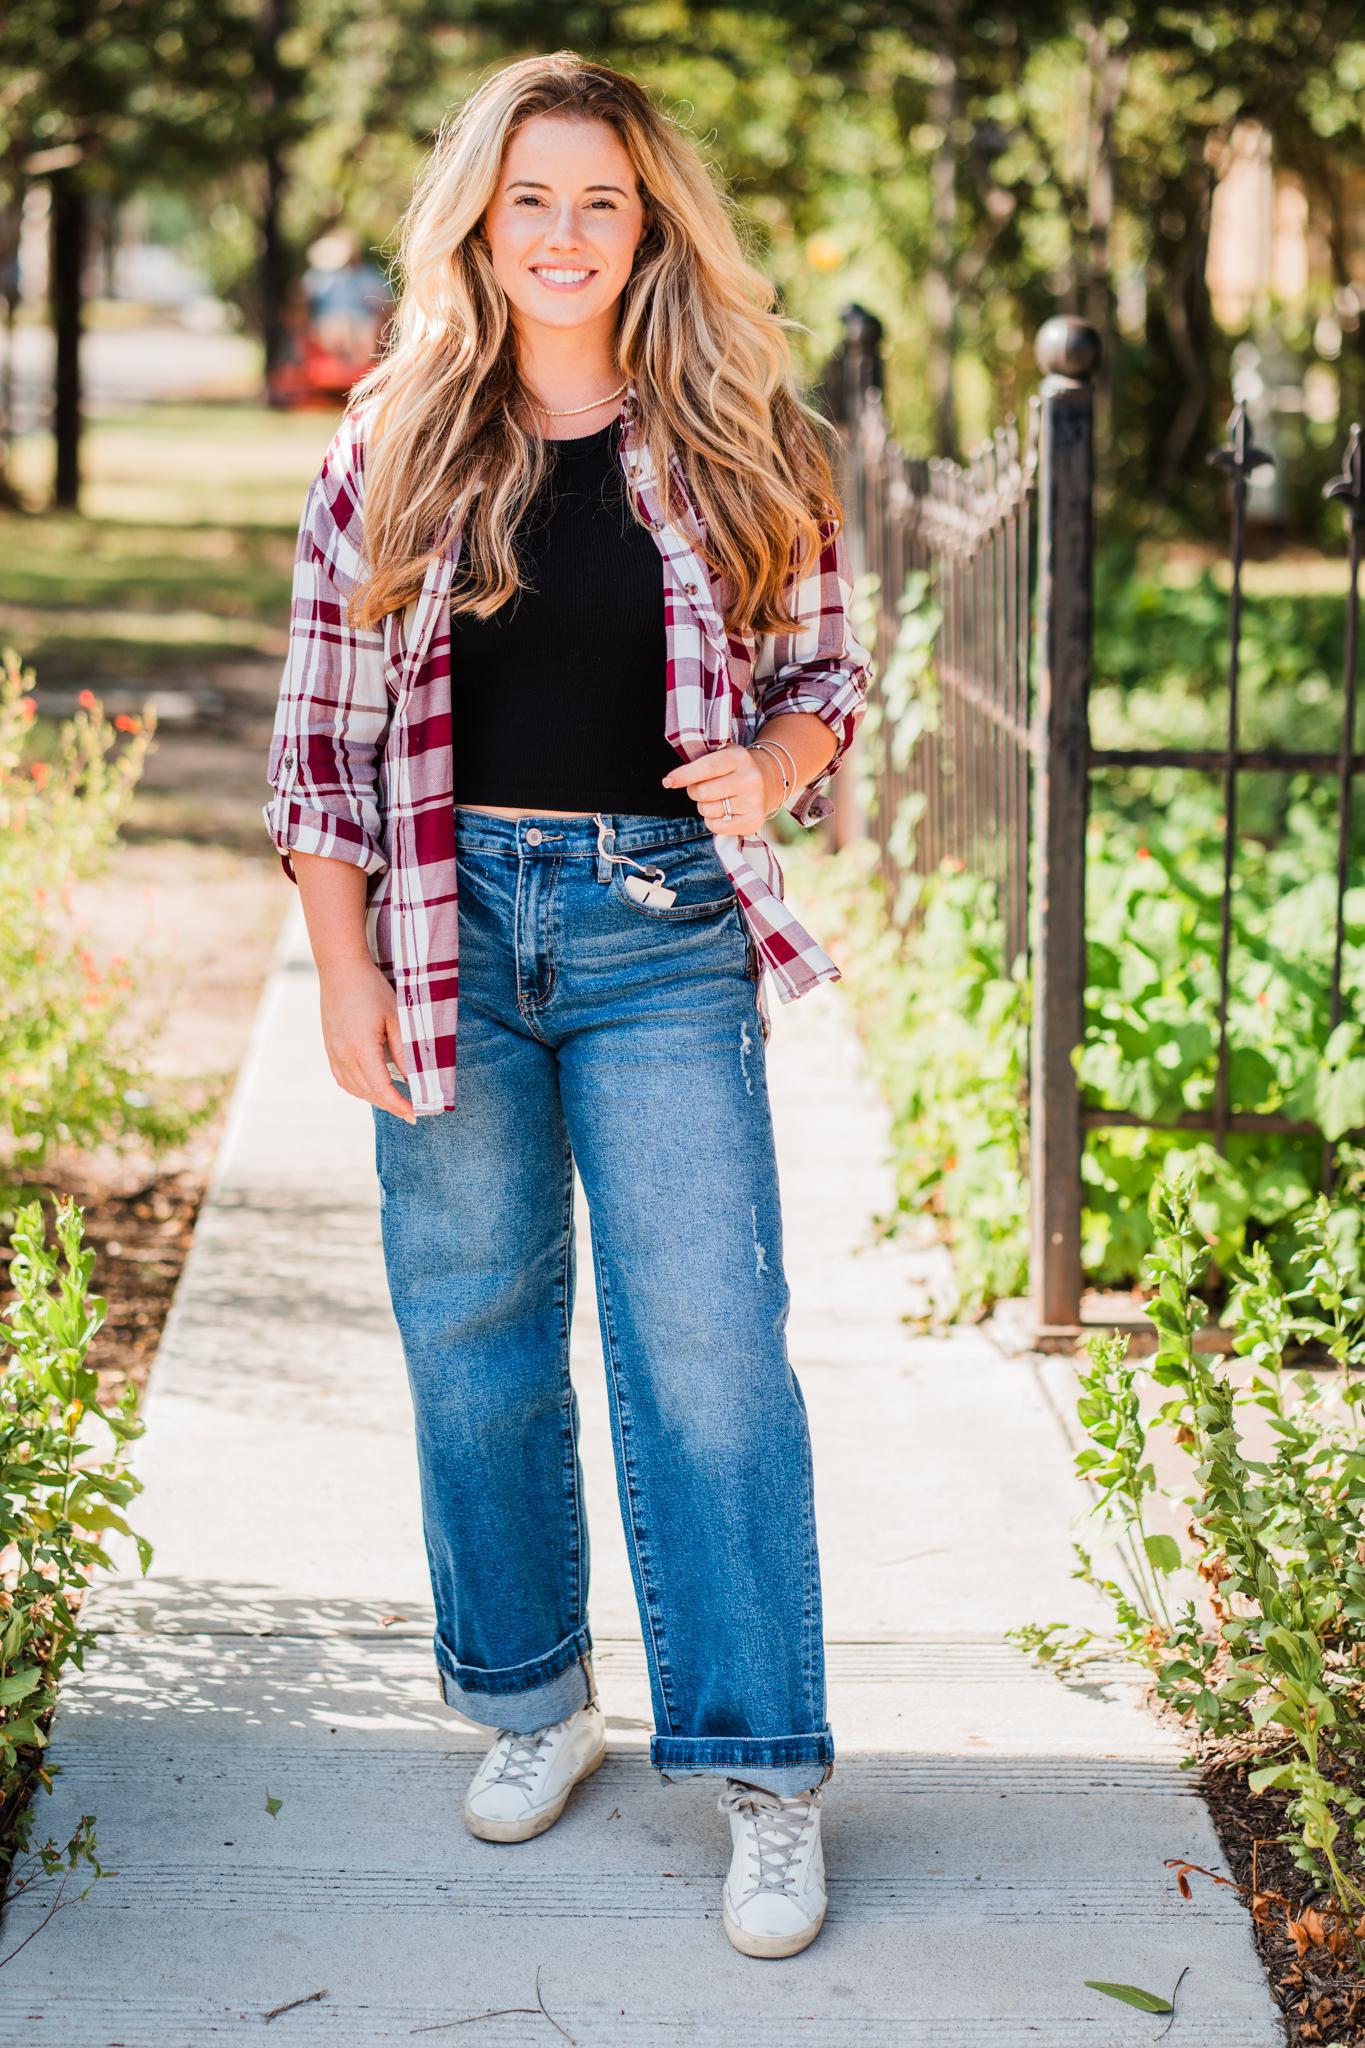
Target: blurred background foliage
{"type": "Point", "coordinates": [1190, 179]}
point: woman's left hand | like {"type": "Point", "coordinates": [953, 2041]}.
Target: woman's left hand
{"type": "Point", "coordinates": [752, 783]}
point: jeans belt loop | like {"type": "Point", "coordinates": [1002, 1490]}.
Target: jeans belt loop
{"type": "Point", "coordinates": [606, 845]}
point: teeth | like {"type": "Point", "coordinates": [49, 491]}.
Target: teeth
{"type": "Point", "coordinates": [564, 276]}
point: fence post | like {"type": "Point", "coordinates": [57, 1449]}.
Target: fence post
{"type": "Point", "coordinates": [1068, 355]}
{"type": "Point", "coordinates": [859, 370]}
{"type": "Point", "coordinates": [860, 363]}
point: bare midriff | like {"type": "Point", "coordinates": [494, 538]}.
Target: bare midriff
{"type": "Point", "coordinates": [519, 811]}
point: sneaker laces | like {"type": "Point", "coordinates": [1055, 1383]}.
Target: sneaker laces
{"type": "Point", "coordinates": [777, 1826]}
{"type": "Point", "coordinates": [521, 1755]}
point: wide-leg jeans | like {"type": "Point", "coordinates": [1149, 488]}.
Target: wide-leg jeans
{"type": "Point", "coordinates": [624, 1036]}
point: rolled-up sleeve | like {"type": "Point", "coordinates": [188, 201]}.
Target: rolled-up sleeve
{"type": "Point", "coordinates": [333, 709]}
{"type": "Point", "coordinates": [820, 666]}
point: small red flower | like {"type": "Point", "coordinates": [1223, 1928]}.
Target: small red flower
{"type": "Point", "coordinates": [29, 707]}
{"type": "Point", "coordinates": [1144, 853]}
{"type": "Point", "coordinates": [89, 700]}
{"type": "Point", "coordinates": [127, 724]}
{"type": "Point", "coordinates": [38, 771]}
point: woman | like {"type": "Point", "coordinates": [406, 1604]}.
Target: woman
{"type": "Point", "coordinates": [570, 622]}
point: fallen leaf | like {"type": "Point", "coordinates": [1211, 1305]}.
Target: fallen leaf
{"type": "Point", "coordinates": [1129, 1994]}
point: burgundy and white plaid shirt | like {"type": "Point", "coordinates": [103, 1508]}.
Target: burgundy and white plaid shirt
{"type": "Point", "coordinates": [361, 764]}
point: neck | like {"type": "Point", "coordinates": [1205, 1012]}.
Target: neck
{"type": "Point", "coordinates": [566, 367]}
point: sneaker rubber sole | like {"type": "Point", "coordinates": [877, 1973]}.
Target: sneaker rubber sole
{"type": "Point", "coordinates": [768, 1946]}
{"type": "Point", "coordinates": [534, 1823]}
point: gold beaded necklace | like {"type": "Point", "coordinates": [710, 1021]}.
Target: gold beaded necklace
{"type": "Point", "coordinates": [564, 412]}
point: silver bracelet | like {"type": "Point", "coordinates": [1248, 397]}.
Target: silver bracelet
{"type": "Point", "coordinates": [783, 748]}
{"type": "Point", "coordinates": [768, 747]}
{"type": "Point", "coordinates": [787, 751]}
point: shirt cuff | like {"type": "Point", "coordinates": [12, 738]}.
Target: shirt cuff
{"type": "Point", "coordinates": [301, 828]}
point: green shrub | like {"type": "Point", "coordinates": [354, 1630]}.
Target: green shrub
{"type": "Point", "coordinates": [945, 1033]}
{"type": "Point", "coordinates": [74, 1072]}
{"type": "Point", "coordinates": [1151, 1023]}
{"type": "Point", "coordinates": [1268, 1651]}
{"type": "Point", "coordinates": [1161, 662]}
{"type": "Point", "coordinates": [946, 1017]}
{"type": "Point", "coordinates": [64, 1485]}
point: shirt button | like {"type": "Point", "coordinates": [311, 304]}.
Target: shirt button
{"type": "Point", "coordinates": [534, 836]}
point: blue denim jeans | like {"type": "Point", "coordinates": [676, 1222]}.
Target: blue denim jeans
{"type": "Point", "coordinates": [623, 1036]}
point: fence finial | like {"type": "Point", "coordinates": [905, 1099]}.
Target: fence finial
{"type": "Point", "coordinates": [1350, 485]}
{"type": "Point", "coordinates": [1067, 347]}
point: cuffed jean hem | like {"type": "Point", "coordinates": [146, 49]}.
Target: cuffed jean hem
{"type": "Point", "coordinates": [780, 1763]}
{"type": "Point", "coordinates": [522, 1697]}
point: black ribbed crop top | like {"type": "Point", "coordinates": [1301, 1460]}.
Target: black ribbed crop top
{"type": "Point", "coordinates": [558, 699]}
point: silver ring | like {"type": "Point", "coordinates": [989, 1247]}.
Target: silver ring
{"type": "Point", "coordinates": [728, 812]}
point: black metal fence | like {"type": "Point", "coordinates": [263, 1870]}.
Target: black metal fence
{"type": "Point", "coordinates": [998, 779]}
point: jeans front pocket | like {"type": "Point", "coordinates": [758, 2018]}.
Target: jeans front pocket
{"type": "Point", "coordinates": [693, 871]}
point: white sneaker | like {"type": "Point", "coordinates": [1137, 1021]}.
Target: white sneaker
{"type": "Point", "coordinates": [523, 1784]}
{"type": "Point", "coordinates": [773, 1899]}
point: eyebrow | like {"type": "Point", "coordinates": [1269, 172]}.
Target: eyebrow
{"type": "Point", "coordinates": [536, 185]}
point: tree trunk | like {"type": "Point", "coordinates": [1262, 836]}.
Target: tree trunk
{"type": "Point", "coordinates": [273, 271]}
{"type": "Point", "coordinates": [11, 214]}
{"type": "Point", "coordinates": [1108, 70]}
{"type": "Point", "coordinates": [69, 216]}
{"type": "Point", "coordinates": [940, 297]}
{"type": "Point", "coordinates": [1180, 332]}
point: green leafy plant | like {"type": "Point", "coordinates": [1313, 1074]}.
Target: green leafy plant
{"type": "Point", "coordinates": [1151, 1024]}
{"type": "Point", "coordinates": [946, 1016]}
{"type": "Point", "coordinates": [1161, 659]}
{"type": "Point", "coordinates": [946, 1038]}
{"type": "Point", "coordinates": [1265, 1652]}
{"type": "Point", "coordinates": [64, 1486]}
{"type": "Point", "coordinates": [74, 1072]}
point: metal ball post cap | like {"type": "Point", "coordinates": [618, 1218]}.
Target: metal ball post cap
{"type": "Point", "coordinates": [1067, 347]}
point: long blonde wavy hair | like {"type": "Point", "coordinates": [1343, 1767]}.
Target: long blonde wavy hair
{"type": "Point", "coordinates": [697, 333]}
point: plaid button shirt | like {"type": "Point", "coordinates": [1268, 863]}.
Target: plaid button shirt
{"type": "Point", "coordinates": [360, 759]}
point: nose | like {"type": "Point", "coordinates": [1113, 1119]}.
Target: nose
{"type": "Point", "coordinates": [562, 232]}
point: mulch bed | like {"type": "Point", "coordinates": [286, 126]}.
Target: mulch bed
{"type": "Point", "coordinates": [1321, 1995]}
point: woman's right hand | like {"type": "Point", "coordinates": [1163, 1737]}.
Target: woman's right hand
{"type": "Point", "coordinates": [359, 1025]}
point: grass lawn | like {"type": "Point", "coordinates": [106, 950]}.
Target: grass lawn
{"type": "Point", "coordinates": [180, 557]}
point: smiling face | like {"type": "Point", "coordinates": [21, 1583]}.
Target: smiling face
{"type": "Point", "coordinates": [564, 223]}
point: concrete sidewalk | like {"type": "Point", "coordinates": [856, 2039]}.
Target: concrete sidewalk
{"type": "Point", "coordinates": [993, 1837]}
